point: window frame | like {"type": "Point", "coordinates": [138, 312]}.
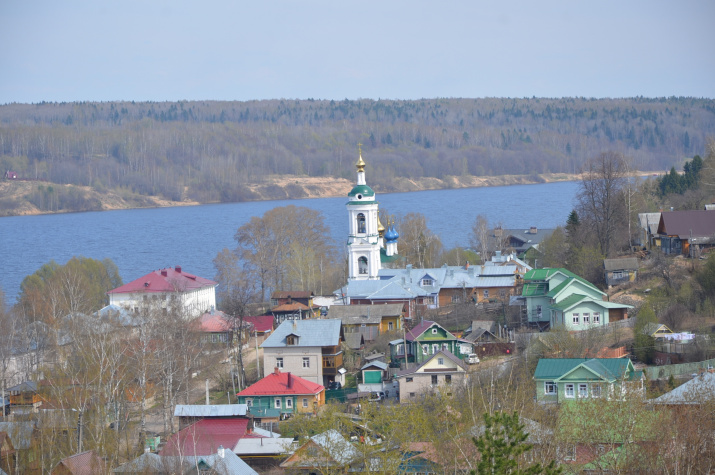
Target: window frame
{"type": "Point", "coordinates": [596, 390]}
{"type": "Point", "coordinates": [575, 318]}
{"type": "Point", "coordinates": [435, 380]}
{"type": "Point", "coordinates": [586, 318]}
{"type": "Point", "coordinates": [550, 388]}
{"type": "Point", "coordinates": [596, 318]}
{"type": "Point", "coordinates": [570, 388]}
{"type": "Point", "coordinates": [279, 362]}
{"type": "Point", "coordinates": [289, 403]}
{"type": "Point", "coordinates": [306, 362]}
{"type": "Point", "coordinates": [305, 402]}
{"type": "Point", "coordinates": [582, 390]}
{"type": "Point", "coordinates": [277, 403]}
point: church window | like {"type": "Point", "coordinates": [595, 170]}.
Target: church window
{"type": "Point", "coordinates": [362, 265]}
{"type": "Point", "coordinates": [360, 223]}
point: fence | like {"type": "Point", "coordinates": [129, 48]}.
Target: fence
{"type": "Point", "coordinates": [339, 395]}
{"type": "Point", "coordinates": [664, 372]}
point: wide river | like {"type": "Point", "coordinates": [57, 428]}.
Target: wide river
{"type": "Point", "coordinates": [142, 240]}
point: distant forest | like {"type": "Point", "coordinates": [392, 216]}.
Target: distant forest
{"type": "Point", "coordinates": [208, 151]}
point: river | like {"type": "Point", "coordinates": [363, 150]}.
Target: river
{"type": "Point", "coordinates": [142, 240]}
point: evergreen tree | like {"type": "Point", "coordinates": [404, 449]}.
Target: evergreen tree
{"type": "Point", "coordinates": [644, 345]}
{"type": "Point", "coordinates": [501, 445]}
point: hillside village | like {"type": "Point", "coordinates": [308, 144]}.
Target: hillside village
{"type": "Point", "coordinates": [402, 369]}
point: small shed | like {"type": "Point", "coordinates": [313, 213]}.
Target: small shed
{"type": "Point", "coordinates": [10, 175]}
{"type": "Point", "coordinates": [373, 372]}
{"type": "Point", "coordinates": [619, 271]}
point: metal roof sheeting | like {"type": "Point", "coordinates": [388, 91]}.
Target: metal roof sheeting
{"type": "Point", "coordinates": [218, 410]}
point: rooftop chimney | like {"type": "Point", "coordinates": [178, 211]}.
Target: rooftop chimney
{"type": "Point", "coordinates": [533, 230]}
{"type": "Point", "coordinates": [290, 381]}
{"type": "Point", "coordinates": [178, 269]}
{"type": "Point", "coordinates": [221, 451]}
{"type": "Point", "coordinates": [163, 272]}
{"type": "Point", "coordinates": [276, 371]}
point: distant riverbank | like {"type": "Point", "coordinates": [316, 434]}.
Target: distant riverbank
{"type": "Point", "coordinates": [27, 197]}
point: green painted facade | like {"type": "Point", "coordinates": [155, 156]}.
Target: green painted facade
{"type": "Point", "coordinates": [564, 379]}
{"type": "Point", "coordinates": [561, 298]}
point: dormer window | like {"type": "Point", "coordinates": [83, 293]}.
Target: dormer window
{"type": "Point", "coordinates": [292, 340]}
{"type": "Point", "coordinates": [427, 282]}
{"type": "Point", "coordinates": [361, 223]}
{"type": "Point", "coordinates": [434, 331]}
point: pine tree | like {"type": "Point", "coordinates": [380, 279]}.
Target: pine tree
{"type": "Point", "coordinates": [501, 445]}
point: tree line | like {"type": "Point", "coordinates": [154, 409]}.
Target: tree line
{"type": "Point", "coordinates": [208, 151]}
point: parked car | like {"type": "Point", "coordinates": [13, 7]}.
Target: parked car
{"type": "Point", "coordinates": [334, 385]}
{"type": "Point", "coordinates": [472, 359]}
{"type": "Point", "coordinates": [377, 396]}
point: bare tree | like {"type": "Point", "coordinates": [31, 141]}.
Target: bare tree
{"type": "Point", "coordinates": [479, 239]}
{"type": "Point", "coordinates": [418, 244]}
{"type": "Point", "coordinates": [600, 204]}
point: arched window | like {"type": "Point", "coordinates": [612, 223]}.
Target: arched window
{"type": "Point", "coordinates": [362, 265]}
{"type": "Point", "coordinates": [360, 223]}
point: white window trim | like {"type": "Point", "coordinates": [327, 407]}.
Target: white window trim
{"type": "Point", "coordinates": [598, 393]}
{"type": "Point", "coordinates": [580, 387]}
{"type": "Point", "coordinates": [305, 402]}
{"type": "Point", "coordinates": [575, 317]}
{"type": "Point", "coordinates": [554, 388]}
{"type": "Point", "coordinates": [586, 318]}
{"type": "Point", "coordinates": [289, 403]}
{"type": "Point", "coordinates": [277, 404]}
{"type": "Point", "coordinates": [572, 386]}
{"type": "Point", "coordinates": [597, 318]}
{"type": "Point", "coordinates": [306, 362]}
{"type": "Point", "coordinates": [279, 363]}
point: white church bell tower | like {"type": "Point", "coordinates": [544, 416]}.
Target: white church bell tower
{"type": "Point", "coordinates": [363, 233]}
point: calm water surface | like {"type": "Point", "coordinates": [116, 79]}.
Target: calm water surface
{"type": "Point", "coordinates": [142, 240]}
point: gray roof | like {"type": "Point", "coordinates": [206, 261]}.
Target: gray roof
{"type": "Point", "coordinates": [310, 333]}
{"type": "Point", "coordinates": [625, 263]}
{"type": "Point", "coordinates": [698, 390]}
{"type": "Point", "coordinates": [336, 446]}
{"type": "Point", "coordinates": [446, 353]}
{"type": "Point", "coordinates": [20, 433]}
{"type": "Point", "coordinates": [229, 464]}
{"type": "Point", "coordinates": [649, 221]}
{"type": "Point", "coordinates": [527, 237]}
{"type": "Point", "coordinates": [378, 364]}
{"type": "Point", "coordinates": [489, 325]}
{"type": "Point", "coordinates": [264, 446]}
{"type": "Point", "coordinates": [217, 410]}
{"type": "Point", "coordinates": [359, 314]}
{"type": "Point", "coordinates": [354, 340]}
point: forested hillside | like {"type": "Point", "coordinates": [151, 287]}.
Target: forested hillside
{"type": "Point", "coordinates": [210, 151]}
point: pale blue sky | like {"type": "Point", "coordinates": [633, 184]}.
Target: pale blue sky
{"type": "Point", "coordinates": [105, 50]}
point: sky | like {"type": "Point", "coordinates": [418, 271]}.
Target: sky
{"type": "Point", "coordinates": [158, 50]}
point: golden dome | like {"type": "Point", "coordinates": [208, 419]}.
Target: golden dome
{"type": "Point", "coordinates": [360, 163]}
{"type": "Point", "coordinates": [380, 227]}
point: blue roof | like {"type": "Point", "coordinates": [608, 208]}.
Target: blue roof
{"type": "Point", "coordinates": [313, 333]}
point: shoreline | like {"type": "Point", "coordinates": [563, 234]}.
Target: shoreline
{"type": "Point", "coordinates": [292, 188]}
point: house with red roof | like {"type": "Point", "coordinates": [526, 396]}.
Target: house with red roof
{"type": "Point", "coordinates": [207, 435]}
{"type": "Point", "coordinates": [281, 394]}
{"type": "Point", "coordinates": [85, 463]}
{"type": "Point", "coordinates": [425, 340]}
{"type": "Point", "coordinates": [263, 325]}
{"type": "Point", "coordinates": [166, 288]}
{"type": "Point", "coordinates": [293, 305]}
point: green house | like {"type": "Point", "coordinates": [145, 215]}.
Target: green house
{"type": "Point", "coordinates": [566, 379]}
{"type": "Point", "coordinates": [558, 297]}
{"type": "Point", "coordinates": [425, 340]}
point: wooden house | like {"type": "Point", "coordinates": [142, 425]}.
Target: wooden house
{"type": "Point", "coordinates": [686, 233]}
{"type": "Point", "coordinates": [620, 271]}
{"type": "Point", "coordinates": [563, 379]}
{"type": "Point", "coordinates": [283, 394]}
{"type": "Point", "coordinates": [85, 463]}
{"type": "Point", "coordinates": [424, 340]}
{"type": "Point", "coordinates": [369, 320]}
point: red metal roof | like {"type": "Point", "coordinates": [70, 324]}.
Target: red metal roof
{"type": "Point", "coordinates": [165, 280]}
{"type": "Point", "coordinates": [204, 437]}
{"type": "Point", "coordinates": [262, 323]}
{"type": "Point", "coordinates": [216, 322]}
{"type": "Point", "coordinates": [277, 383]}
{"type": "Point", "coordinates": [290, 307]}
{"type": "Point", "coordinates": [418, 330]}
